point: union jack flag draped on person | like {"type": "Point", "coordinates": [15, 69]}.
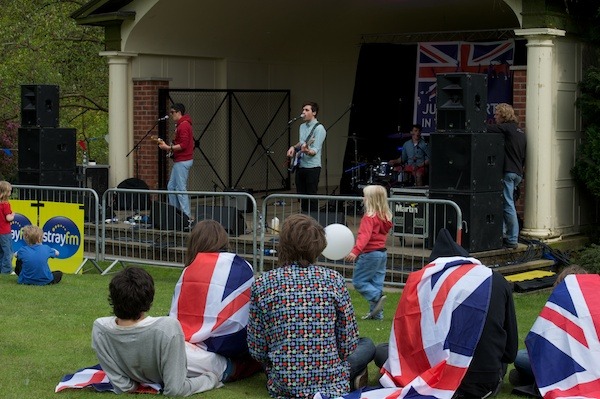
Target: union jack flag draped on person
{"type": "Point", "coordinates": [566, 336]}
{"type": "Point", "coordinates": [211, 301]}
{"type": "Point", "coordinates": [436, 328]}
{"type": "Point", "coordinates": [95, 377]}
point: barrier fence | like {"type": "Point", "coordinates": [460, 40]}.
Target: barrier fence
{"type": "Point", "coordinates": [139, 226]}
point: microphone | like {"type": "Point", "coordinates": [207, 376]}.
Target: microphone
{"type": "Point", "coordinates": [164, 118]}
{"type": "Point", "coordinates": [296, 118]}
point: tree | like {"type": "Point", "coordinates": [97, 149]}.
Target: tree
{"type": "Point", "coordinates": [41, 44]}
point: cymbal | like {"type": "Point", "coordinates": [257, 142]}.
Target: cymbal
{"type": "Point", "coordinates": [355, 137]}
{"type": "Point", "coordinates": [395, 136]}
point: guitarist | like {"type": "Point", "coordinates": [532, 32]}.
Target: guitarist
{"type": "Point", "coordinates": [182, 149]}
{"type": "Point", "coordinates": [308, 151]}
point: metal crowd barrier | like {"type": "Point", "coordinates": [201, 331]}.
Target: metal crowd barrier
{"type": "Point", "coordinates": [139, 226]}
{"type": "Point", "coordinates": [416, 221]}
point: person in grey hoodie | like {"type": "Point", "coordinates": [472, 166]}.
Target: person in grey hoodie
{"type": "Point", "coordinates": [135, 349]}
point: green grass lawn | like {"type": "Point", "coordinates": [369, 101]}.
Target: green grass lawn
{"type": "Point", "coordinates": [46, 332]}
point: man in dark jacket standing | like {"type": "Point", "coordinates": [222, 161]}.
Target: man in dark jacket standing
{"type": "Point", "coordinates": [515, 144]}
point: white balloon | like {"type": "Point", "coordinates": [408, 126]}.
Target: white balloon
{"type": "Point", "coordinates": [340, 241]}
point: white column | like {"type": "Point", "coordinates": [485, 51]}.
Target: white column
{"type": "Point", "coordinates": [540, 121]}
{"type": "Point", "coordinates": [119, 116]}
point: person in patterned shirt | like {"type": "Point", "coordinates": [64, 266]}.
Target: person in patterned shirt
{"type": "Point", "coordinates": [302, 326]}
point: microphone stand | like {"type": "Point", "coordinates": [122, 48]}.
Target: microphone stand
{"type": "Point", "coordinates": [137, 146]}
{"type": "Point", "coordinates": [268, 152]}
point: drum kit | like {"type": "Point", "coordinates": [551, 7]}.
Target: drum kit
{"type": "Point", "coordinates": [377, 172]}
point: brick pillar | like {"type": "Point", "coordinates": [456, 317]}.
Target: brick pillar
{"type": "Point", "coordinates": [145, 115]}
{"type": "Point", "coordinates": [519, 95]}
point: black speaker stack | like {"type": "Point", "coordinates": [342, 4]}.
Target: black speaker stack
{"type": "Point", "coordinates": [466, 163]}
{"type": "Point", "coordinates": [47, 153]}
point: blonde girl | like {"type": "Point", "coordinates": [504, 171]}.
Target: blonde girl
{"type": "Point", "coordinates": [6, 216]}
{"type": "Point", "coordinates": [370, 252]}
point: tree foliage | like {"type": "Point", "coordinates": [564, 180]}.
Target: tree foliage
{"type": "Point", "coordinates": [41, 44]}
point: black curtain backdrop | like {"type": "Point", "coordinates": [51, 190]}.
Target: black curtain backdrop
{"type": "Point", "coordinates": [383, 102]}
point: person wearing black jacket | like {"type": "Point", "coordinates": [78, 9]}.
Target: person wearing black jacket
{"type": "Point", "coordinates": [515, 145]}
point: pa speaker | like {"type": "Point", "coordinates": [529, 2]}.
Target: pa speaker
{"type": "Point", "coordinates": [39, 105]}
{"type": "Point", "coordinates": [461, 102]}
{"type": "Point", "coordinates": [229, 217]}
{"type": "Point", "coordinates": [47, 148]}
{"type": "Point", "coordinates": [61, 178]}
{"type": "Point", "coordinates": [132, 201]}
{"type": "Point", "coordinates": [326, 217]}
{"type": "Point", "coordinates": [466, 161]}
{"type": "Point", "coordinates": [94, 177]}
{"type": "Point", "coordinates": [482, 215]}
{"type": "Point", "coordinates": [167, 217]}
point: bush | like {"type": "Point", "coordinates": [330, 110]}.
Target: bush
{"type": "Point", "coordinates": [589, 258]}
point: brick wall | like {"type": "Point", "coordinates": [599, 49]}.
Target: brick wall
{"type": "Point", "coordinates": [145, 108]}
{"type": "Point", "coordinates": [519, 95]}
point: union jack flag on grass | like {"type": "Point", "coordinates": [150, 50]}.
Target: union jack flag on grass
{"type": "Point", "coordinates": [563, 344]}
{"type": "Point", "coordinates": [95, 377]}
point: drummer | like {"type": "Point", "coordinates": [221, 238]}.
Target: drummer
{"type": "Point", "coordinates": [415, 157]}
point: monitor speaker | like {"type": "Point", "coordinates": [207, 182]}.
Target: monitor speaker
{"type": "Point", "coordinates": [461, 102]}
{"type": "Point", "coordinates": [47, 148]}
{"type": "Point", "coordinates": [167, 217]}
{"type": "Point", "coordinates": [466, 161]}
{"type": "Point", "coordinates": [229, 217]}
{"type": "Point", "coordinates": [39, 105]}
{"type": "Point", "coordinates": [326, 217]}
{"type": "Point", "coordinates": [482, 215]}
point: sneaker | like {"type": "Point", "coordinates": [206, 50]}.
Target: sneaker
{"type": "Point", "coordinates": [361, 380]}
{"type": "Point", "coordinates": [509, 245]}
{"type": "Point", "coordinates": [379, 305]}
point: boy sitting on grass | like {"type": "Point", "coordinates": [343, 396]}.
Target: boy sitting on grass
{"type": "Point", "coordinates": [134, 348]}
{"type": "Point", "coordinates": [32, 260]}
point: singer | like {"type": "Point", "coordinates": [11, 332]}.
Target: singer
{"type": "Point", "coordinates": [307, 152]}
{"type": "Point", "coordinates": [182, 150]}
{"type": "Point", "coordinates": [415, 156]}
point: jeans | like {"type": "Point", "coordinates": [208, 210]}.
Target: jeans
{"type": "Point", "coordinates": [6, 253]}
{"type": "Point", "coordinates": [307, 182]}
{"type": "Point", "coordinates": [361, 357]}
{"type": "Point", "coordinates": [523, 365]}
{"type": "Point", "coordinates": [369, 274]}
{"type": "Point", "coordinates": [178, 182]}
{"type": "Point", "coordinates": [511, 222]}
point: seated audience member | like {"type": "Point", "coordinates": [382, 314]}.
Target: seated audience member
{"type": "Point", "coordinates": [521, 377]}
{"type": "Point", "coordinates": [32, 259]}
{"type": "Point", "coordinates": [211, 301]}
{"type": "Point", "coordinates": [302, 326]}
{"type": "Point", "coordinates": [135, 348]}
{"type": "Point", "coordinates": [455, 328]}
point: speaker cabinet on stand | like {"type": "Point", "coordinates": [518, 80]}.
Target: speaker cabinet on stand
{"type": "Point", "coordinates": [461, 102]}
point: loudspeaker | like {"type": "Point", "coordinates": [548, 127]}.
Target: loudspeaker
{"type": "Point", "coordinates": [461, 102]}
{"type": "Point", "coordinates": [94, 177]}
{"type": "Point", "coordinates": [62, 178]}
{"type": "Point", "coordinates": [482, 215]}
{"type": "Point", "coordinates": [325, 217]}
{"type": "Point", "coordinates": [47, 148]}
{"type": "Point", "coordinates": [243, 204]}
{"type": "Point", "coordinates": [132, 201]}
{"type": "Point", "coordinates": [39, 105]}
{"type": "Point", "coordinates": [167, 217]}
{"type": "Point", "coordinates": [229, 217]}
{"type": "Point", "coordinates": [466, 161]}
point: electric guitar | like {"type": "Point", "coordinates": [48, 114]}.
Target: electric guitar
{"type": "Point", "coordinates": [294, 160]}
{"type": "Point", "coordinates": [158, 140]}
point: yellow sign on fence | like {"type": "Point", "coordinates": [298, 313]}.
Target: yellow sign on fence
{"type": "Point", "coordinates": [62, 224]}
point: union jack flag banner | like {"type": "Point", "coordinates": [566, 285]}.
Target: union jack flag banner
{"type": "Point", "coordinates": [436, 328]}
{"type": "Point", "coordinates": [211, 301]}
{"type": "Point", "coordinates": [563, 344]}
{"type": "Point", "coordinates": [95, 377]}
